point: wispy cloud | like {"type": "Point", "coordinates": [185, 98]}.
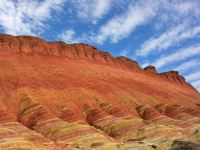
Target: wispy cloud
{"type": "Point", "coordinates": [167, 39]}
{"type": "Point", "coordinates": [188, 65]}
{"type": "Point", "coordinates": [178, 56]}
{"type": "Point", "coordinates": [124, 52]}
{"type": "Point", "coordinates": [173, 12]}
{"type": "Point", "coordinates": [193, 76]}
{"type": "Point", "coordinates": [26, 17]}
{"type": "Point", "coordinates": [118, 27]}
{"type": "Point", "coordinates": [69, 36]}
{"type": "Point", "coordinates": [122, 25]}
{"type": "Point", "coordinates": [145, 64]}
{"type": "Point", "coordinates": [91, 10]}
{"type": "Point", "coordinates": [137, 14]}
{"type": "Point", "coordinates": [196, 84]}
{"type": "Point", "coordinates": [175, 22]}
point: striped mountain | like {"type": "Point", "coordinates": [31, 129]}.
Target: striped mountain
{"type": "Point", "coordinates": [55, 95]}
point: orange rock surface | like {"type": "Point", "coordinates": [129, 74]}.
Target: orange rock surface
{"type": "Point", "coordinates": [74, 96]}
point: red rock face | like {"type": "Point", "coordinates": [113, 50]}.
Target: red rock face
{"type": "Point", "coordinates": [173, 76]}
{"type": "Point", "coordinates": [150, 69]}
{"type": "Point", "coordinates": [33, 45]}
{"type": "Point", "coordinates": [73, 95]}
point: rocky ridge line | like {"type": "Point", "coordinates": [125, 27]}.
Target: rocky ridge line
{"type": "Point", "coordinates": [38, 46]}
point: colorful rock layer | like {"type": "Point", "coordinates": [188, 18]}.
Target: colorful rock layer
{"type": "Point", "coordinates": [56, 96]}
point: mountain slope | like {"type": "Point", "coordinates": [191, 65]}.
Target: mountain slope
{"type": "Point", "coordinates": [74, 96]}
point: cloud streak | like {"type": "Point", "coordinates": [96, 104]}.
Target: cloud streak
{"type": "Point", "coordinates": [196, 84]}
{"type": "Point", "coordinates": [178, 56]}
{"type": "Point", "coordinates": [69, 36]}
{"type": "Point", "coordinates": [188, 65]}
{"type": "Point", "coordinates": [121, 26]}
{"type": "Point", "coordinates": [26, 17]}
{"type": "Point", "coordinates": [91, 10]}
{"type": "Point", "coordinates": [193, 76]}
{"type": "Point", "coordinates": [167, 39]}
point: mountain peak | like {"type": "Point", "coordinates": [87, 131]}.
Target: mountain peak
{"type": "Point", "coordinates": [150, 69]}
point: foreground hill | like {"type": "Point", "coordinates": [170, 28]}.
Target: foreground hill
{"type": "Point", "coordinates": [55, 95]}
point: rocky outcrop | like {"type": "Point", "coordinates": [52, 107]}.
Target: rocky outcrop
{"type": "Point", "coordinates": [150, 69]}
{"type": "Point", "coordinates": [173, 76]}
{"type": "Point", "coordinates": [185, 145]}
{"type": "Point", "coordinates": [127, 62]}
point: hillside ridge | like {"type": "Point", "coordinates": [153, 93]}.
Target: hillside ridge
{"type": "Point", "coordinates": [37, 46]}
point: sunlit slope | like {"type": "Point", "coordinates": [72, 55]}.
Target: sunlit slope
{"type": "Point", "coordinates": [61, 96]}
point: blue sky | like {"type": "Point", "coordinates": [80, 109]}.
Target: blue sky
{"type": "Point", "coordinates": [163, 33]}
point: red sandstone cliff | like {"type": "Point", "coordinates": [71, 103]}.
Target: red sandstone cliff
{"type": "Point", "coordinates": [36, 46]}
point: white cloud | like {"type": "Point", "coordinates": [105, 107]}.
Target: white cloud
{"type": "Point", "coordinates": [91, 10]}
{"type": "Point", "coordinates": [145, 64]}
{"type": "Point", "coordinates": [26, 17]}
{"type": "Point", "coordinates": [167, 39]}
{"type": "Point", "coordinates": [178, 56]}
{"type": "Point", "coordinates": [174, 12]}
{"type": "Point", "coordinates": [101, 8]}
{"type": "Point", "coordinates": [124, 52]}
{"type": "Point", "coordinates": [121, 26]}
{"type": "Point", "coordinates": [179, 20]}
{"type": "Point", "coordinates": [162, 12]}
{"type": "Point", "coordinates": [196, 84]}
{"type": "Point", "coordinates": [69, 36]}
{"type": "Point", "coordinates": [193, 76]}
{"type": "Point", "coordinates": [137, 14]}
{"type": "Point", "coordinates": [188, 65]}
